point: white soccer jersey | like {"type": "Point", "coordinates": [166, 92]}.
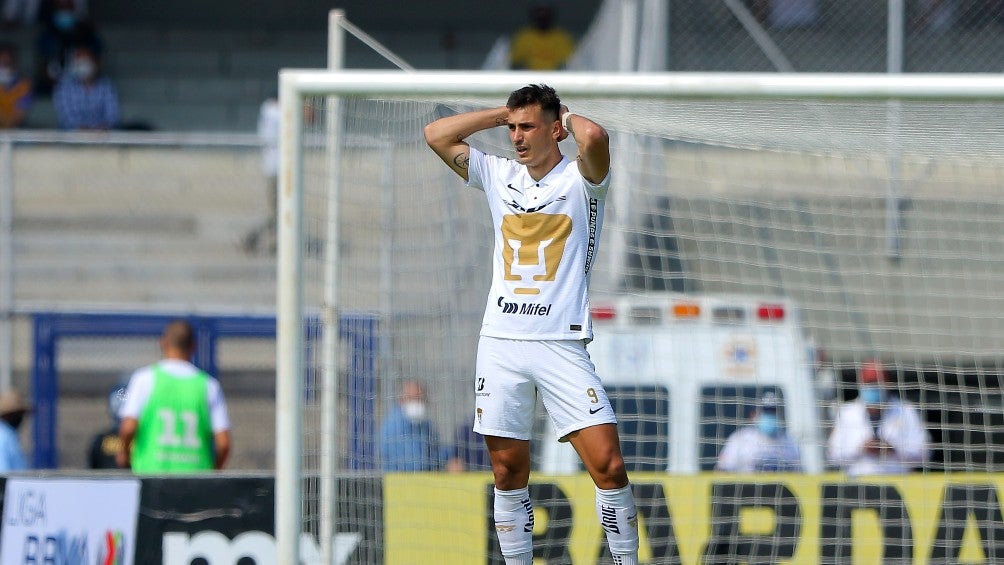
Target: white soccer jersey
{"type": "Point", "coordinates": [546, 237]}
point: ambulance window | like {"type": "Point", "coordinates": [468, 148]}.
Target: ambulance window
{"type": "Point", "coordinates": [643, 425]}
{"type": "Point", "coordinates": [724, 409]}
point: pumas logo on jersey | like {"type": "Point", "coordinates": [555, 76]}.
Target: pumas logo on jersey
{"type": "Point", "coordinates": [534, 246]}
{"type": "Point", "coordinates": [524, 308]}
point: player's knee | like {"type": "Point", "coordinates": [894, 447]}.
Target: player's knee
{"type": "Point", "coordinates": [611, 472]}
{"type": "Point", "coordinates": [509, 473]}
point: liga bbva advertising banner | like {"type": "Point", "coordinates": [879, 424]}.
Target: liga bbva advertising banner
{"type": "Point", "coordinates": [69, 521]}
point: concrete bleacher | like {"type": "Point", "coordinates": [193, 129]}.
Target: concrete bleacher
{"type": "Point", "coordinates": [203, 80]}
{"type": "Point", "coordinates": [140, 226]}
{"type": "Point", "coordinates": [196, 67]}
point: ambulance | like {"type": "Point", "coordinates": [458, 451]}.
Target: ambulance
{"type": "Point", "coordinates": [684, 371]}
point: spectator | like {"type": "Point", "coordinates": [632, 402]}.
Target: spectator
{"type": "Point", "coordinates": [469, 452]}
{"type": "Point", "coordinates": [174, 417]}
{"type": "Point", "coordinates": [826, 389]}
{"type": "Point", "coordinates": [84, 98]}
{"type": "Point", "coordinates": [27, 13]}
{"type": "Point", "coordinates": [541, 45]}
{"type": "Point", "coordinates": [15, 89]}
{"type": "Point", "coordinates": [762, 446]}
{"type": "Point", "coordinates": [268, 136]}
{"type": "Point", "coordinates": [408, 441]}
{"type": "Point", "coordinates": [877, 433]}
{"type": "Point", "coordinates": [106, 444]}
{"type": "Point", "coordinates": [62, 30]}
{"type": "Point", "coordinates": [787, 14]}
{"type": "Point", "coordinates": [12, 413]}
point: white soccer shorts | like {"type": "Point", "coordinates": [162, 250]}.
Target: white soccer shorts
{"type": "Point", "coordinates": [510, 372]}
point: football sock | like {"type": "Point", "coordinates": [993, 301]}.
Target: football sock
{"type": "Point", "coordinates": [616, 510]}
{"type": "Point", "coordinates": [514, 525]}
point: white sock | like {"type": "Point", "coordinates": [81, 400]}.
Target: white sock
{"type": "Point", "coordinates": [521, 559]}
{"type": "Point", "coordinates": [514, 525]}
{"type": "Point", "coordinates": [616, 510]}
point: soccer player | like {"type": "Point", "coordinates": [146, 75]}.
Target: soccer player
{"type": "Point", "coordinates": [546, 212]}
{"type": "Point", "coordinates": [174, 417]}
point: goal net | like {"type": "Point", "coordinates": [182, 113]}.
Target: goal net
{"type": "Point", "coordinates": [764, 234]}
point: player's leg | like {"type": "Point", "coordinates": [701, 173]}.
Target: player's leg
{"type": "Point", "coordinates": [510, 461]}
{"type": "Point", "coordinates": [504, 404]}
{"type": "Point", "coordinates": [513, 509]}
{"type": "Point", "coordinates": [581, 412]}
{"type": "Point", "coordinates": [599, 448]}
{"type": "Point", "coordinates": [600, 451]}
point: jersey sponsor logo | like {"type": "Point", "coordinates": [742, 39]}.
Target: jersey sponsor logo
{"type": "Point", "coordinates": [534, 246]}
{"type": "Point", "coordinates": [594, 227]}
{"type": "Point", "coordinates": [595, 410]}
{"type": "Point", "coordinates": [523, 308]}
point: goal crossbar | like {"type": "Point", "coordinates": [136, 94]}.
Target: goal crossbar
{"type": "Point", "coordinates": [650, 85]}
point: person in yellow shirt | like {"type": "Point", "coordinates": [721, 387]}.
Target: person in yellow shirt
{"type": "Point", "coordinates": [541, 46]}
{"type": "Point", "coordinates": [15, 89]}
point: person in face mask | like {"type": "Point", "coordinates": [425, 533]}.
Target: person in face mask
{"type": "Point", "coordinates": [877, 433]}
{"type": "Point", "coordinates": [27, 13]}
{"type": "Point", "coordinates": [763, 445]}
{"type": "Point", "coordinates": [84, 98]}
{"type": "Point", "coordinates": [408, 439]}
{"type": "Point", "coordinates": [12, 413]}
{"type": "Point", "coordinates": [15, 90]}
{"type": "Point", "coordinates": [64, 27]}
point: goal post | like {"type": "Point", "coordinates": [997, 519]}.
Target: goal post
{"type": "Point", "coordinates": [870, 203]}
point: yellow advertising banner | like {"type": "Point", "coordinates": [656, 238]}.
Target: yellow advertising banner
{"type": "Point", "coordinates": [710, 518]}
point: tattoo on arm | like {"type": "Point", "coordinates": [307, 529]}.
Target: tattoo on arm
{"type": "Point", "coordinates": [461, 161]}
{"type": "Point", "coordinates": [500, 121]}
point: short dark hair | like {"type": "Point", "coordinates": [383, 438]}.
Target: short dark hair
{"type": "Point", "coordinates": [532, 94]}
{"type": "Point", "coordinates": [180, 334]}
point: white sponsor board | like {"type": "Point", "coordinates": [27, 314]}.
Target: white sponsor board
{"type": "Point", "coordinates": [69, 521]}
{"type": "Point", "coordinates": [215, 547]}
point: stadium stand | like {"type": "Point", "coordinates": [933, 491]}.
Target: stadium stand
{"type": "Point", "coordinates": [184, 66]}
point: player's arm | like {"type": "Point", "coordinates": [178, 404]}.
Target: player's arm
{"type": "Point", "coordinates": [593, 143]}
{"type": "Point", "coordinates": [446, 135]}
{"type": "Point", "coordinates": [219, 418]}
{"type": "Point", "coordinates": [221, 447]}
{"type": "Point", "coordinates": [127, 433]}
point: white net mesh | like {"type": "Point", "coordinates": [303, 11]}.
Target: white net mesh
{"type": "Point", "coordinates": [872, 228]}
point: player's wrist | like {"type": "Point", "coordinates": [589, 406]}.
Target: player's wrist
{"type": "Point", "coordinates": [566, 121]}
